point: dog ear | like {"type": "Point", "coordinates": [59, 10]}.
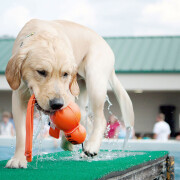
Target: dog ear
{"type": "Point", "coordinates": [13, 70]}
{"type": "Point", "coordinates": [73, 86]}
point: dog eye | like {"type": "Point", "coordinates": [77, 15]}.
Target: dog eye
{"type": "Point", "coordinates": [65, 74]}
{"type": "Point", "coordinates": [42, 73]}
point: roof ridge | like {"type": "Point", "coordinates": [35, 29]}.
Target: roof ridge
{"type": "Point", "coordinates": [139, 37]}
{"type": "Point", "coordinates": [7, 39]}
{"type": "Point", "coordinates": [117, 37]}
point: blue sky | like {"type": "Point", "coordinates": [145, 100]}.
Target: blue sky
{"type": "Point", "coordinates": [107, 17]}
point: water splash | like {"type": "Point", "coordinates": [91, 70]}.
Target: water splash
{"type": "Point", "coordinates": [40, 140]}
{"type": "Point", "coordinates": [43, 119]}
{"type": "Point", "coordinates": [109, 104]}
{"type": "Point", "coordinates": [102, 156]}
{"type": "Point", "coordinates": [128, 129]}
{"type": "Point", "coordinates": [76, 153]}
{"type": "Point", "coordinates": [128, 133]}
{"type": "Point", "coordinates": [38, 135]}
{"type": "Point", "coordinates": [110, 112]}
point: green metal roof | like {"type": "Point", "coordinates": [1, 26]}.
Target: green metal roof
{"type": "Point", "coordinates": [158, 54]}
{"type": "Point", "coordinates": [5, 53]}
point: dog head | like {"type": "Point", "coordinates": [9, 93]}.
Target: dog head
{"type": "Point", "coordinates": [46, 64]}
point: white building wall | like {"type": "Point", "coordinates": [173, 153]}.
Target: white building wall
{"type": "Point", "coordinates": [150, 82]}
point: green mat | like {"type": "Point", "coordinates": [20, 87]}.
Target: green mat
{"type": "Point", "coordinates": [65, 165]}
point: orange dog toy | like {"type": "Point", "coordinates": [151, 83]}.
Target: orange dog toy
{"type": "Point", "coordinates": [67, 119]}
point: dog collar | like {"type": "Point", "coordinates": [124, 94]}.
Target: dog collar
{"type": "Point", "coordinates": [31, 34]}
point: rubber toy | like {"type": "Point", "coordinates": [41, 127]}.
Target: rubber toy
{"type": "Point", "coordinates": [67, 119]}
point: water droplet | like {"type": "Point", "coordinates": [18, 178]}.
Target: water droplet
{"type": "Point", "coordinates": [12, 146]}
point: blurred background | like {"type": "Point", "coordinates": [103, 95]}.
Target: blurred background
{"type": "Point", "coordinates": [145, 38]}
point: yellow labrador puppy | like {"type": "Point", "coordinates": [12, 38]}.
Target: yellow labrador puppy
{"type": "Point", "coordinates": [47, 58]}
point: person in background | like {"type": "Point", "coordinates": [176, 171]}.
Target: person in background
{"type": "Point", "coordinates": [138, 136]}
{"type": "Point", "coordinates": [6, 127]}
{"type": "Point", "coordinates": [112, 127]}
{"type": "Point", "coordinates": [122, 132]}
{"type": "Point", "coordinates": [178, 137]}
{"type": "Point", "coordinates": [161, 128]}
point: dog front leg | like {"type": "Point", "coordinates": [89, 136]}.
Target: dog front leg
{"type": "Point", "coordinates": [97, 94]}
{"type": "Point", "coordinates": [19, 114]}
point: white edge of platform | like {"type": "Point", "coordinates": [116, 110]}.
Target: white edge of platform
{"type": "Point", "coordinates": [111, 144]}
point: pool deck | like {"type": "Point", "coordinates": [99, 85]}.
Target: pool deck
{"type": "Point", "coordinates": [149, 146]}
{"type": "Point", "coordinates": [154, 169]}
{"type": "Point", "coordinates": [63, 165]}
{"type": "Point", "coordinates": [116, 144]}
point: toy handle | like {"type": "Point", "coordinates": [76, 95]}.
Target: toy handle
{"type": "Point", "coordinates": [29, 128]}
{"type": "Point", "coordinates": [54, 132]}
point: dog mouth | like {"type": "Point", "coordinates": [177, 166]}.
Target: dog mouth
{"type": "Point", "coordinates": [47, 112]}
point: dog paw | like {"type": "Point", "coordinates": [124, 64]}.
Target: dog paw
{"type": "Point", "coordinates": [86, 154]}
{"type": "Point", "coordinates": [17, 162]}
{"type": "Point", "coordinates": [90, 149]}
{"type": "Point", "coordinates": [66, 145]}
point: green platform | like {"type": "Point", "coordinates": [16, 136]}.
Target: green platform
{"type": "Point", "coordinates": [63, 165]}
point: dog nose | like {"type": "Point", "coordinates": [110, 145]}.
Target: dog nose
{"type": "Point", "coordinates": [56, 103]}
